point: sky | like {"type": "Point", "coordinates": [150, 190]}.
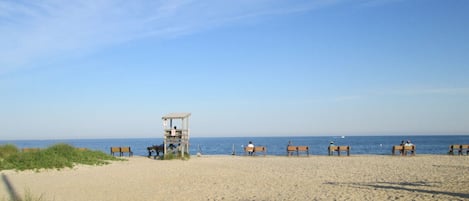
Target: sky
{"type": "Point", "coordinates": [113, 68]}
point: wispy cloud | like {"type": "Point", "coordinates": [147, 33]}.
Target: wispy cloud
{"type": "Point", "coordinates": [347, 98]}
{"type": "Point", "coordinates": [435, 91]}
{"type": "Point", "coordinates": [423, 92]}
{"type": "Point", "coordinates": [374, 3]}
{"type": "Point", "coordinates": [42, 30]}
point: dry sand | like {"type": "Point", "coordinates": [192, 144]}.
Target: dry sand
{"type": "Point", "coordinates": [422, 177]}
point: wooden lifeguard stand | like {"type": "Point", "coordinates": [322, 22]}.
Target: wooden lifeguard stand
{"type": "Point", "coordinates": [176, 137]}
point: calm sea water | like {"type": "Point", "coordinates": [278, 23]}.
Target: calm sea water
{"type": "Point", "coordinates": [378, 145]}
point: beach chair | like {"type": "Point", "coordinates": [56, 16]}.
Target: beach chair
{"type": "Point", "coordinates": [126, 150]}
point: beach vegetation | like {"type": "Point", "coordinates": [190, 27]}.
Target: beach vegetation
{"type": "Point", "coordinates": [169, 156]}
{"type": "Point", "coordinates": [7, 150]}
{"type": "Point", "coordinates": [176, 155]}
{"type": "Point", "coordinates": [57, 156]}
{"type": "Point", "coordinates": [28, 196]}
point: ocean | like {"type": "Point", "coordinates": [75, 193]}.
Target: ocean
{"type": "Point", "coordinates": [376, 145]}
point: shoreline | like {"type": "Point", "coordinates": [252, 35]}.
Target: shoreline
{"type": "Point", "coordinates": [275, 145]}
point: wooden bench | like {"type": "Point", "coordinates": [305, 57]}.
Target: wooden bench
{"type": "Point", "coordinates": [410, 149]}
{"type": "Point", "coordinates": [248, 149]}
{"type": "Point", "coordinates": [30, 149]}
{"type": "Point", "coordinates": [338, 149]}
{"type": "Point", "coordinates": [464, 147]}
{"type": "Point", "coordinates": [290, 150]}
{"type": "Point", "coordinates": [254, 150]}
{"type": "Point", "coordinates": [126, 150]}
{"type": "Point", "coordinates": [454, 148]}
{"type": "Point", "coordinates": [396, 148]}
{"type": "Point", "coordinates": [461, 149]}
{"type": "Point", "coordinates": [260, 149]}
{"type": "Point", "coordinates": [297, 149]}
{"type": "Point", "coordinates": [403, 150]}
{"type": "Point", "coordinates": [121, 151]}
{"type": "Point", "coordinates": [115, 150]}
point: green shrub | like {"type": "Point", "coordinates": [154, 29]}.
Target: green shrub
{"type": "Point", "coordinates": [56, 156]}
{"type": "Point", "coordinates": [169, 156]}
{"type": "Point", "coordinates": [7, 150]}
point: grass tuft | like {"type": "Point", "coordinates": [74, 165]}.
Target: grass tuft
{"type": "Point", "coordinates": [176, 155]}
{"type": "Point", "coordinates": [28, 196]}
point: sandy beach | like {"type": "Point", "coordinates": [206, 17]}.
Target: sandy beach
{"type": "Point", "coordinates": [364, 177]}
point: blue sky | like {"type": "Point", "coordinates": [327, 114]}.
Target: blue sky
{"type": "Point", "coordinates": [105, 69]}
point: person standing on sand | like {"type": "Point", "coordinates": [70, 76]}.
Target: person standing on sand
{"type": "Point", "coordinates": [250, 148]}
{"type": "Point", "coordinates": [330, 148]}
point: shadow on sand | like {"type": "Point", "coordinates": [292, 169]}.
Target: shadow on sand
{"type": "Point", "coordinates": [11, 190]}
{"type": "Point", "coordinates": [403, 186]}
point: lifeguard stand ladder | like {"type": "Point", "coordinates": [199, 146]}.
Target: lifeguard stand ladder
{"type": "Point", "coordinates": [177, 137]}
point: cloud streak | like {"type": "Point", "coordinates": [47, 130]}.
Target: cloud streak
{"type": "Point", "coordinates": [32, 31]}
{"type": "Point", "coordinates": [436, 91]}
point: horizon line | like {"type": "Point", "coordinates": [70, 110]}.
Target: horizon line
{"type": "Point", "coordinates": [254, 136]}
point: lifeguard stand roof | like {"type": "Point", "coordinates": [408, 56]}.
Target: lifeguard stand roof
{"type": "Point", "coordinates": [179, 115]}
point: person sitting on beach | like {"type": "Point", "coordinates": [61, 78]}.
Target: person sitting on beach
{"type": "Point", "coordinates": [250, 148]}
{"type": "Point", "coordinates": [408, 143]}
{"type": "Point", "coordinates": [402, 143]}
{"type": "Point", "coordinates": [173, 132]}
{"type": "Point", "coordinates": [331, 144]}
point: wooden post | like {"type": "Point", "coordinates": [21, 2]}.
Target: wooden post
{"type": "Point", "coordinates": [233, 151]}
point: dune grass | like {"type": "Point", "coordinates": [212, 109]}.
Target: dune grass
{"type": "Point", "coordinates": [57, 156]}
{"type": "Point", "coordinates": [176, 155]}
{"type": "Point", "coordinates": [28, 196]}
{"type": "Point", "coordinates": [7, 150]}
